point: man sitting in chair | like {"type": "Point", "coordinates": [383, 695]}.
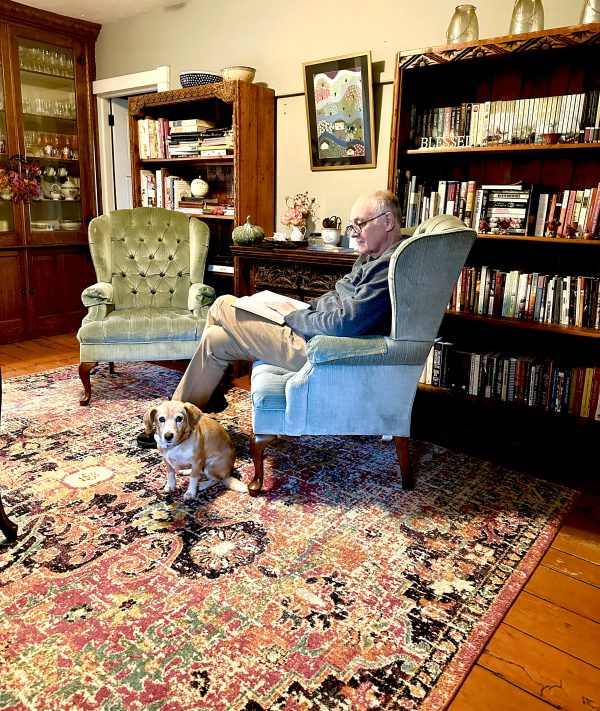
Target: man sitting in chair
{"type": "Point", "coordinates": [358, 305]}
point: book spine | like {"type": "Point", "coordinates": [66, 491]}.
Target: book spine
{"type": "Point", "coordinates": [540, 218]}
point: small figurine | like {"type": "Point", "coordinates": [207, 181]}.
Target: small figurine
{"type": "Point", "coordinates": [570, 231]}
{"type": "Point", "coordinates": [552, 228]}
{"type": "Point", "coordinates": [484, 225]}
{"type": "Point", "coordinates": [504, 223]}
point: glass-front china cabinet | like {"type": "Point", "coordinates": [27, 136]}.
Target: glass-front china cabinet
{"type": "Point", "coordinates": [48, 186]}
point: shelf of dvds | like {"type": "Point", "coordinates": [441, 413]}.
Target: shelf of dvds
{"type": "Point", "coordinates": [171, 132]}
{"type": "Point", "coordinates": [543, 89]}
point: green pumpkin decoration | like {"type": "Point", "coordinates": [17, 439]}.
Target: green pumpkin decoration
{"type": "Point", "coordinates": [248, 233]}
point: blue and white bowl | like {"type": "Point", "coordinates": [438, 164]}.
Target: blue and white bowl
{"type": "Point", "coordinates": [188, 79]}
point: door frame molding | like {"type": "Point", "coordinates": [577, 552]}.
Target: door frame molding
{"type": "Point", "coordinates": [158, 79]}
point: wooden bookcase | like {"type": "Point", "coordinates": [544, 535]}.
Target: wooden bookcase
{"type": "Point", "coordinates": [547, 63]}
{"type": "Point", "coordinates": [47, 119]}
{"type": "Point", "coordinates": [246, 177]}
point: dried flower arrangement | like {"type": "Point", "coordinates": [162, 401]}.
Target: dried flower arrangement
{"type": "Point", "coordinates": [21, 179]}
{"type": "Point", "coordinates": [298, 208]}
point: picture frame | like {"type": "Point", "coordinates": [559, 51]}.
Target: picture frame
{"type": "Point", "coordinates": [339, 112]}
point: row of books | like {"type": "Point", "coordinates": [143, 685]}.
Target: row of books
{"type": "Point", "coordinates": [569, 213]}
{"type": "Point", "coordinates": [566, 300]}
{"type": "Point", "coordinates": [163, 138]}
{"type": "Point", "coordinates": [161, 189]}
{"type": "Point", "coordinates": [569, 118]}
{"type": "Point", "coordinates": [518, 209]}
{"type": "Point", "coordinates": [545, 383]}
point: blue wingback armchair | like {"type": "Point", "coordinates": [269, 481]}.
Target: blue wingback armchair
{"type": "Point", "coordinates": [150, 302]}
{"type": "Point", "coordinates": [368, 382]}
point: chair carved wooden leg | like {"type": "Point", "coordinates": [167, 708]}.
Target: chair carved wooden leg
{"type": "Point", "coordinates": [258, 443]}
{"type": "Point", "coordinates": [8, 528]}
{"type": "Point", "coordinates": [111, 368]}
{"type": "Point", "coordinates": [84, 376]}
{"type": "Point", "coordinates": [403, 454]}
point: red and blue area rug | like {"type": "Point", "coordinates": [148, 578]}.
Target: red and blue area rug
{"type": "Point", "coordinates": [335, 589]}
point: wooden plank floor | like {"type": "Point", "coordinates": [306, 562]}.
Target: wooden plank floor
{"type": "Point", "coordinates": [546, 652]}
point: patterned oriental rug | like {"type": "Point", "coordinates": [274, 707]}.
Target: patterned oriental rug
{"type": "Point", "coordinates": [335, 589]}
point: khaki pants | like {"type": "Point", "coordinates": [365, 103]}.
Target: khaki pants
{"type": "Point", "coordinates": [232, 334]}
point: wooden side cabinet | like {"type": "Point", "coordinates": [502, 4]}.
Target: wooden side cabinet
{"type": "Point", "coordinates": [296, 272]}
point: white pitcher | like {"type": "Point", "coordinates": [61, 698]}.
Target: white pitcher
{"type": "Point", "coordinates": [297, 234]}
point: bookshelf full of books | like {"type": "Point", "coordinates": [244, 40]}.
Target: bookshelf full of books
{"type": "Point", "coordinates": [207, 151]}
{"type": "Point", "coordinates": [505, 134]}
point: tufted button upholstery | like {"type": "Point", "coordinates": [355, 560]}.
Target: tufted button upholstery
{"type": "Point", "coordinates": [150, 302]}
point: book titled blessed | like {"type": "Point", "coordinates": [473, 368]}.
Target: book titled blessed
{"type": "Point", "coordinates": [257, 304]}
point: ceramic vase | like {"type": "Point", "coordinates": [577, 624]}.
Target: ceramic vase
{"type": "Point", "coordinates": [590, 12]}
{"type": "Point", "coordinates": [199, 187]}
{"type": "Point", "coordinates": [464, 26]}
{"type": "Point", "coordinates": [527, 16]}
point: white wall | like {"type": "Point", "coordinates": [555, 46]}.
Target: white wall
{"type": "Point", "coordinates": [277, 37]}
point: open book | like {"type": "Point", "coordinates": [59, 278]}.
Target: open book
{"type": "Point", "coordinates": [256, 304]}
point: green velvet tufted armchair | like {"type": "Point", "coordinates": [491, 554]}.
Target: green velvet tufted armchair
{"type": "Point", "coordinates": [149, 302]}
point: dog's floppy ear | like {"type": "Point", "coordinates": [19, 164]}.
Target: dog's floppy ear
{"type": "Point", "coordinates": [193, 414]}
{"type": "Point", "coordinates": [149, 418]}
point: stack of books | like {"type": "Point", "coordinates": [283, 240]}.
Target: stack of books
{"type": "Point", "coordinates": [186, 135]}
{"type": "Point", "coordinates": [217, 142]}
{"type": "Point", "coordinates": [203, 206]}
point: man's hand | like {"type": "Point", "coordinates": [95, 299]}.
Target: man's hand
{"type": "Point", "coordinates": [282, 307]}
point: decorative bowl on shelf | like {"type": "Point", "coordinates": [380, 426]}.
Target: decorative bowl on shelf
{"type": "Point", "coordinates": [238, 72]}
{"type": "Point", "coordinates": [188, 79]}
{"type": "Point", "coordinates": [551, 137]}
{"type": "Point", "coordinates": [43, 226]}
{"type": "Point", "coordinates": [70, 224]}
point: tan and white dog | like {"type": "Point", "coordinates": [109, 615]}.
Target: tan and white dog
{"type": "Point", "coordinates": [188, 439]}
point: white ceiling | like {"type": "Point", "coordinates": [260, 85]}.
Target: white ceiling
{"type": "Point", "coordinates": [101, 11]}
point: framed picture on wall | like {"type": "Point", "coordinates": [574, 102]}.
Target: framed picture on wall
{"type": "Point", "coordinates": [339, 111]}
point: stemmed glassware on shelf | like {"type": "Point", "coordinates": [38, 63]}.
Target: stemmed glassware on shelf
{"type": "Point", "coordinates": [46, 60]}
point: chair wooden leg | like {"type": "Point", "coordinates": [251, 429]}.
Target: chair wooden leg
{"type": "Point", "coordinates": [258, 443]}
{"type": "Point", "coordinates": [84, 376]}
{"type": "Point", "coordinates": [111, 368]}
{"type": "Point", "coordinates": [403, 454]}
{"type": "Point", "coordinates": [8, 528]}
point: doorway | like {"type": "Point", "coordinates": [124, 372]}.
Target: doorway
{"type": "Point", "coordinates": [113, 132]}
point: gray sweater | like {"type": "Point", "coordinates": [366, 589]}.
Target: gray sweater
{"type": "Point", "coordinates": [358, 306]}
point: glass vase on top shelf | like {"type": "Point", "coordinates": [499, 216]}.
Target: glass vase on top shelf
{"type": "Point", "coordinates": [48, 99]}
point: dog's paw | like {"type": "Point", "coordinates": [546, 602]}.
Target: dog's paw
{"type": "Point", "coordinates": [169, 488]}
{"type": "Point", "coordinates": [189, 495]}
{"type": "Point", "coordinates": [235, 485]}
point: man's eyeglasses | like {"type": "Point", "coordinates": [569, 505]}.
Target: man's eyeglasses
{"type": "Point", "coordinates": [357, 226]}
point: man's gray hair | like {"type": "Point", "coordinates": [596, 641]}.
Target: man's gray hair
{"type": "Point", "coordinates": [386, 201]}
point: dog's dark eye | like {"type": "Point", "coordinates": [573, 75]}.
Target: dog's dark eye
{"type": "Point", "coordinates": [162, 419]}
{"type": "Point", "coordinates": [179, 419]}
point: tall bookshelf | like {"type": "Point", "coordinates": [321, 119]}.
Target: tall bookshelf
{"type": "Point", "coordinates": [243, 179]}
{"type": "Point", "coordinates": [549, 63]}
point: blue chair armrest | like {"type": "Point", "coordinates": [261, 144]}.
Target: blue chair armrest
{"type": "Point", "coordinates": [365, 350]}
